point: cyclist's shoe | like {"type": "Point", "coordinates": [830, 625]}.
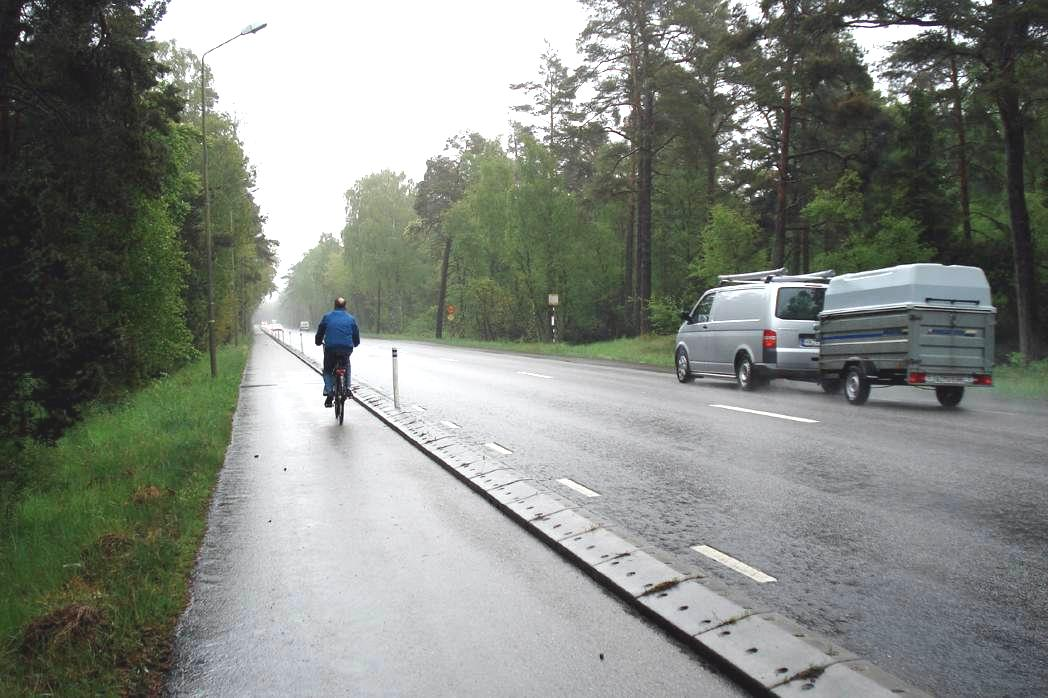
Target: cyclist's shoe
{"type": "Point", "coordinates": [329, 401]}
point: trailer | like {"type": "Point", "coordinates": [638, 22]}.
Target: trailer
{"type": "Point", "coordinates": [925, 325]}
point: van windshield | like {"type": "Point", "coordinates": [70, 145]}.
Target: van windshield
{"type": "Point", "coordinates": [799, 303]}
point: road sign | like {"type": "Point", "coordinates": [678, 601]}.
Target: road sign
{"type": "Point", "coordinates": [554, 299]}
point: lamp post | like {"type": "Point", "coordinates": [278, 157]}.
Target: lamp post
{"type": "Point", "coordinates": [250, 29]}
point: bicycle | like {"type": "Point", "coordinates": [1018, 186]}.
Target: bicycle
{"type": "Point", "coordinates": [341, 387]}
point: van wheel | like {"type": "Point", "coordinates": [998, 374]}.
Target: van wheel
{"type": "Point", "coordinates": [683, 370]}
{"type": "Point", "coordinates": [949, 395]}
{"type": "Point", "coordinates": [856, 386]}
{"type": "Point", "coordinates": [744, 373]}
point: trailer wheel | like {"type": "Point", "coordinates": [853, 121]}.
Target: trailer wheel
{"type": "Point", "coordinates": [831, 386]}
{"type": "Point", "coordinates": [856, 386]}
{"type": "Point", "coordinates": [949, 395]}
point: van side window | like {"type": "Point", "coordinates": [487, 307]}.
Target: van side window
{"type": "Point", "coordinates": [739, 304]}
{"type": "Point", "coordinates": [701, 313]}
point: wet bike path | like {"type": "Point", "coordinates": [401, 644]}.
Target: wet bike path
{"type": "Point", "coordinates": [339, 560]}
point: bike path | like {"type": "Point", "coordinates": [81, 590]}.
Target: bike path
{"type": "Point", "coordinates": [339, 560]}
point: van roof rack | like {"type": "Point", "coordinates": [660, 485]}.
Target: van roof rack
{"type": "Point", "coordinates": [751, 276]}
{"type": "Point", "coordinates": [776, 275]}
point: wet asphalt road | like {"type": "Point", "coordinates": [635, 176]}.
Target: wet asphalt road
{"type": "Point", "coordinates": [914, 536]}
{"type": "Point", "coordinates": [341, 561]}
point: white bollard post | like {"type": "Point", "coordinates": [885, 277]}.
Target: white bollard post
{"type": "Point", "coordinates": [301, 349]}
{"type": "Point", "coordinates": [396, 387]}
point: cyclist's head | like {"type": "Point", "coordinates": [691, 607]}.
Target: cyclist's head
{"type": "Point", "coordinates": [340, 303]}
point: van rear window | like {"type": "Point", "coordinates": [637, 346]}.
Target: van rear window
{"type": "Point", "coordinates": [799, 303]}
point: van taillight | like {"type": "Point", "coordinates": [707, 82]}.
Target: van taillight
{"type": "Point", "coordinates": [770, 340]}
{"type": "Point", "coordinates": [916, 378]}
{"type": "Point", "coordinates": [983, 380]}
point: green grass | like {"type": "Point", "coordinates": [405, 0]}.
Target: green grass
{"type": "Point", "coordinates": [95, 552]}
{"type": "Point", "coordinates": [652, 350]}
{"type": "Point", "coordinates": [1029, 381]}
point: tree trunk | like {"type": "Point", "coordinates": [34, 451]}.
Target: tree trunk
{"type": "Point", "coordinates": [442, 294]}
{"type": "Point", "coordinates": [378, 314]}
{"type": "Point", "coordinates": [1013, 33]}
{"type": "Point", "coordinates": [10, 12]}
{"type": "Point", "coordinates": [962, 146]}
{"type": "Point", "coordinates": [645, 156]}
{"type": "Point", "coordinates": [629, 289]}
{"type": "Point", "coordinates": [1019, 217]}
{"type": "Point", "coordinates": [778, 252]}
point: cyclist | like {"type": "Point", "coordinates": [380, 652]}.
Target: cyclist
{"type": "Point", "coordinates": [338, 332]}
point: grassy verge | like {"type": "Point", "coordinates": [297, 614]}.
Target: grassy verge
{"type": "Point", "coordinates": [95, 552]}
{"type": "Point", "coordinates": [1029, 381]}
{"type": "Point", "coordinates": [653, 350]}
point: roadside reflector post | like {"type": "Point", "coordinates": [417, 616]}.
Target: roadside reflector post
{"type": "Point", "coordinates": [301, 349]}
{"type": "Point", "coordinates": [396, 386]}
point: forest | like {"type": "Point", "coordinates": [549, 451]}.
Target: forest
{"type": "Point", "coordinates": [699, 138]}
{"type": "Point", "coordinates": [104, 261]}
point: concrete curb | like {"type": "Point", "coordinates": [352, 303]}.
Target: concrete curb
{"type": "Point", "coordinates": [769, 653]}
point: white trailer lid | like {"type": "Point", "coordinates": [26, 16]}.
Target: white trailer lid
{"type": "Point", "coordinates": [910, 284]}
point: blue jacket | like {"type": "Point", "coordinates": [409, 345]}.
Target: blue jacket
{"type": "Point", "coordinates": [338, 331]}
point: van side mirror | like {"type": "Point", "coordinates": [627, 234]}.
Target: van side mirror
{"type": "Point", "coordinates": [685, 316]}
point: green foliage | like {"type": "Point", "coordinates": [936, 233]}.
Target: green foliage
{"type": "Point", "coordinates": [894, 241]}
{"type": "Point", "coordinates": [665, 314]}
{"type": "Point", "coordinates": [103, 273]}
{"type": "Point", "coordinates": [487, 310]}
{"type": "Point", "coordinates": [731, 243]}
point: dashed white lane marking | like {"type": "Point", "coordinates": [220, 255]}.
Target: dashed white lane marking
{"type": "Point", "coordinates": [581, 489]}
{"type": "Point", "coordinates": [533, 375]}
{"type": "Point", "coordinates": [418, 408]}
{"type": "Point", "coordinates": [768, 414]}
{"type": "Point", "coordinates": [737, 565]}
{"type": "Point", "coordinates": [498, 449]}
{"type": "Point", "coordinates": [450, 425]}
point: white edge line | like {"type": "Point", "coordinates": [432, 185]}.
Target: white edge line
{"type": "Point", "coordinates": [767, 414]}
{"type": "Point", "coordinates": [737, 565]}
{"type": "Point", "coordinates": [533, 375]}
{"type": "Point", "coordinates": [450, 425]}
{"type": "Point", "coordinates": [581, 489]}
{"type": "Point", "coordinates": [498, 449]}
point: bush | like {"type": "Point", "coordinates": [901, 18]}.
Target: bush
{"type": "Point", "coordinates": [664, 314]}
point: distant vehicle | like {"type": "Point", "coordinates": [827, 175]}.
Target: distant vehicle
{"type": "Point", "coordinates": [927, 325]}
{"type": "Point", "coordinates": [752, 328]}
{"type": "Point", "coordinates": [303, 326]}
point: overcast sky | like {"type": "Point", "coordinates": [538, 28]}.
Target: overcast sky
{"type": "Point", "coordinates": [331, 91]}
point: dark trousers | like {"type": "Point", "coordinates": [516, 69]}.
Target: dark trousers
{"type": "Point", "coordinates": [330, 361]}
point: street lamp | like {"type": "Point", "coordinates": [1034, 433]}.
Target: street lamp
{"type": "Point", "coordinates": [250, 29]}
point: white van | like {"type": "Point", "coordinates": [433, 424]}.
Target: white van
{"type": "Point", "coordinates": [752, 328]}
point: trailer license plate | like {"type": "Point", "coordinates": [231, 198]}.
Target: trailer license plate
{"type": "Point", "coordinates": [949, 380]}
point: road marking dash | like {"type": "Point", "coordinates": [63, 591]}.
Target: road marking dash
{"type": "Point", "coordinates": [533, 375]}
{"type": "Point", "coordinates": [498, 449]}
{"type": "Point", "coordinates": [737, 565]}
{"type": "Point", "coordinates": [418, 408]}
{"type": "Point", "coordinates": [581, 489]}
{"type": "Point", "coordinates": [450, 425]}
{"type": "Point", "coordinates": [768, 414]}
